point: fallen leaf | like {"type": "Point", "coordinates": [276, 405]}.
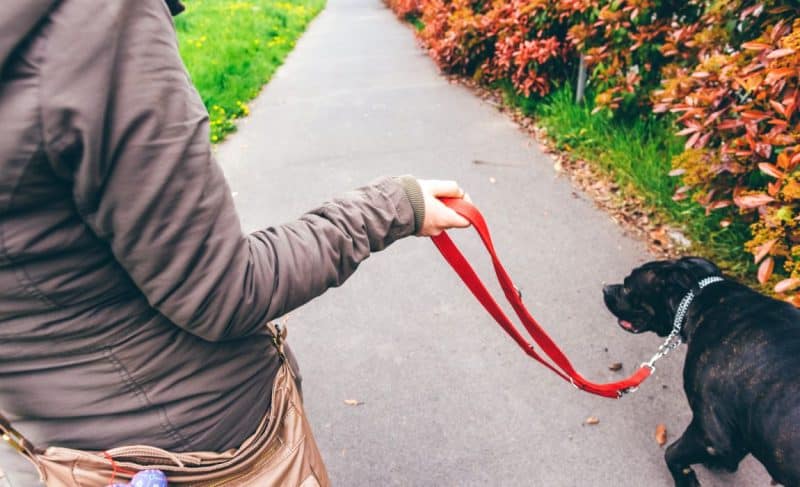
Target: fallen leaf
{"type": "Point", "coordinates": [778, 53]}
{"type": "Point", "coordinates": [661, 435]}
{"type": "Point", "coordinates": [615, 366]}
{"type": "Point", "coordinates": [353, 402]}
{"type": "Point", "coordinates": [765, 270]}
{"type": "Point", "coordinates": [787, 285]}
{"type": "Point", "coordinates": [592, 420]}
{"type": "Point", "coordinates": [659, 236]}
{"type": "Point", "coordinates": [763, 250]}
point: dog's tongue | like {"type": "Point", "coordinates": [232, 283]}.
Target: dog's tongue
{"type": "Point", "coordinates": [626, 324]}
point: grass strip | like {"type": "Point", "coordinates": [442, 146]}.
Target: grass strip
{"type": "Point", "coordinates": [637, 154]}
{"type": "Point", "coordinates": [232, 48]}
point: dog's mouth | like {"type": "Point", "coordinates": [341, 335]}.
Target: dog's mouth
{"type": "Point", "coordinates": [628, 326]}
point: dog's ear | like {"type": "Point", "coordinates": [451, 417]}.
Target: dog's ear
{"type": "Point", "coordinates": [699, 267]}
{"type": "Point", "coordinates": [687, 272]}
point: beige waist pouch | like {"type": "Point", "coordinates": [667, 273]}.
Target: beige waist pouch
{"type": "Point", "coordinates": [282, 452]}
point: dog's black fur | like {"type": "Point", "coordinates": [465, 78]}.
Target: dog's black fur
{"type": "Point", "coordinates": [742, 370]}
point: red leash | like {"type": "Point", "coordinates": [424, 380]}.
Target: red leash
{"type": "Point", "coordinates": [560, 363]}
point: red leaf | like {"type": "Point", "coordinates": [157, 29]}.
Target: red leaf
{"type": "Point", "coordinates": [778, 107]}
{"type": "Point", "coordinates": [681, 193]}
{"type": "Point", "coordinates": [703, 140]}
{"type": "Point", "coordinates": [787, 285]}
{"type": "Point", "coordinates": [755, 46]}
{"type": "Point", "coordinates": [729, 124]}
{"type": "Point", "coordinates": [719, 204]}
{"type": "Point", "coordinates": [778, 74]}
{"type": "Point", "coordinates": [689, 130]}
{"type": "Point", "coordinates": [771, 170]}
{"type": "Point", "coordinates": [765, 270]}
{"type": "Point", "coordinates": [779, 53]}
{"type": "Point", "coordinates": [764, 150]}
{"type": "Point", "coordinates": [751, 201]}
{"type": "Point", "coordinates": [692, 140]}
{"type": "Point", "coordinates": [754, 115]}
{"type": "Point", "coordinates": [763, 250]}
{"type": "Point", "coordinates": [790, 107]}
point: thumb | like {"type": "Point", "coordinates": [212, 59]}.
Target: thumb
{"type": "Point", "coordinates": [445, 189]}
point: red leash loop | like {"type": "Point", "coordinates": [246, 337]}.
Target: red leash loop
{"type": "Point", "coordinates": [115, 469]}
{"type": "Point", "coordinates": [560, 363]}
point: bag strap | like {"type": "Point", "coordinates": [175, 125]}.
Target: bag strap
{"type": "Point", "coordinates": [17, 441]}
{"type": "Point", "coordinates": [278, 333]}
{"type": "Point", "coordinates": [558, 361]}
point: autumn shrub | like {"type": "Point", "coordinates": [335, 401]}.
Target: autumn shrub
{"type": "Point", "coordinates": [723, 72]}
{"type": "Point", "coordinates": [536, 44]}
{"type": "Point", "coordinates": [738, 108]}
{"type": "Point", "coordinates": [406, 9]}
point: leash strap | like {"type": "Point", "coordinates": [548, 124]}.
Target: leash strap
{"type": "Point", "coordinates": [558, 362]}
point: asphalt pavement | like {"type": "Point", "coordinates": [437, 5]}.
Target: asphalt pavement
{"type": "Point", "coordinates": [445, 397]}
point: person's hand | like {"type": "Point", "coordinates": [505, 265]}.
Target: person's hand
{"type": "Point", "coordinates": [438, 217]}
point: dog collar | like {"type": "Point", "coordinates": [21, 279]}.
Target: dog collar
{"type": "Point", "coordinates": [674, 338]}
{"type": "Point", "coordinates": [683, 307]}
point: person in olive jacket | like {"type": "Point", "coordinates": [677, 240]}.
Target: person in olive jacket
{"type": "Point", "coordinates": [132, 305]}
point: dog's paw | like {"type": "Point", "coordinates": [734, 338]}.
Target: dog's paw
{"type": "Point", "coordinates": [686, 478]}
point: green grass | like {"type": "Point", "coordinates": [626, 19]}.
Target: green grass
{"type": "Point", "coordinates": [232, 48]}
{"type": "Point", "coordinates": [637, 154]}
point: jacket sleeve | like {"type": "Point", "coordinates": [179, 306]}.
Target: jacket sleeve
{"type": "Point", "coordinates": [125, 127]}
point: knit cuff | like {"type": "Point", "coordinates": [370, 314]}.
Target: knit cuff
{"type": "Point", "coordinates": [415, 196]}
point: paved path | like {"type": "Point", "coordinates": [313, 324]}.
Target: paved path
{"type": "Point", "coordinates": [448, 398]}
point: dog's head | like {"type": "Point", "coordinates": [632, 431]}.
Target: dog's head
{"type": "Point", "coordinates": [648, 298]}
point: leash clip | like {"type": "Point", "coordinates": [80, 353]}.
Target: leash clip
{"type": "Point", "coordinates": [627, 390]}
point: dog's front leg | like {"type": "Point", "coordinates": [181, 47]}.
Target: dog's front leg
{"type": "Point", "coordinates": [686, 451]}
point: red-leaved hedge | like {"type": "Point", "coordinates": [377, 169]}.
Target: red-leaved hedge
{"type": "Point", "coordinates": [729, 71]}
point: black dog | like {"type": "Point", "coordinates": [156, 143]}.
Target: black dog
{"type": "Point", "coordinates": [742, 370]}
